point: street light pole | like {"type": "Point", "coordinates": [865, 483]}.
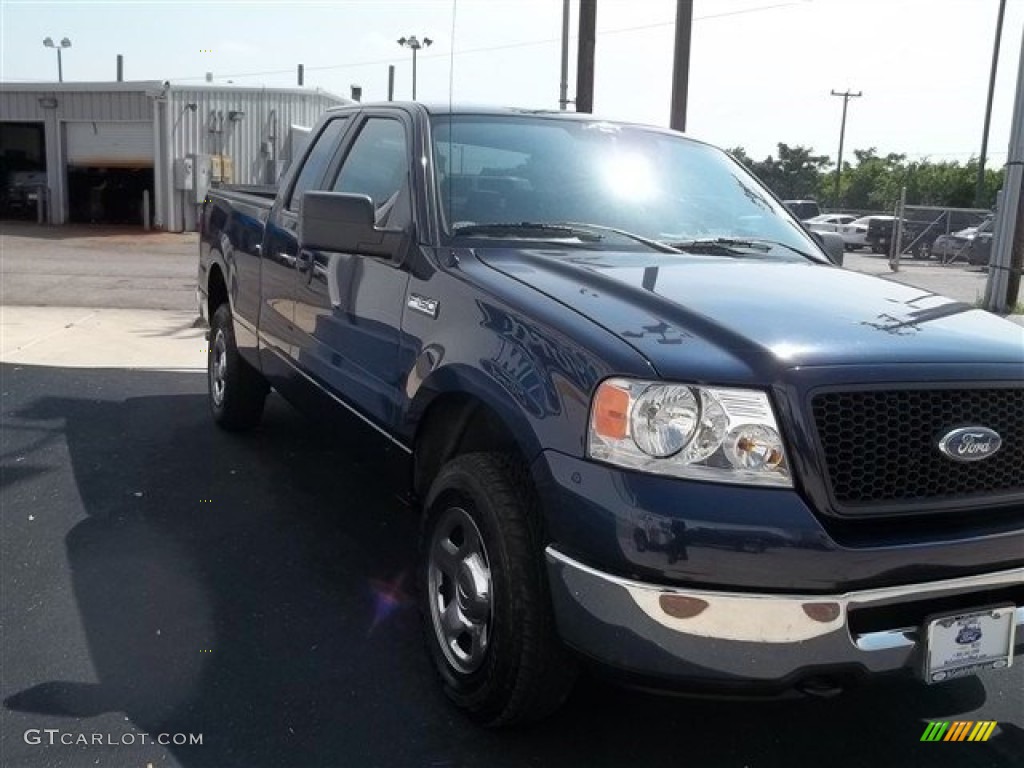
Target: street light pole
{"type": "Point", "coordinates": [65, 43]}
{"type": "Point", "coordinates": [563, 86]}
{"type": "Point", "coordinates": [847, 95]}
{"type": "Point", "coordinates": [415, 45]}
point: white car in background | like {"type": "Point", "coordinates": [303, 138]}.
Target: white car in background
{"type": "Point", "coordinates": [828, 222]}
{"type": "Point", "coordinates": [855, 233]}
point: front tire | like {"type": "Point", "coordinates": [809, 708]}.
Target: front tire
{"type": "Point", "coordinates": [237, 391]}
{"type": "Point", "coordinates": [487, 615]}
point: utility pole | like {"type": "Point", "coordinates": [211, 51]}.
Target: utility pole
{"type": "Point", "coordinates": [1006, 262]}
{"type": "Point", "coordinates": [391, 82]}
{"type": "Point", "coordinates": [979, 190]}
{"type": "Point", "coordinates": [300, 75]}
{"type": "Point", "coordinates": [585, 56]}
{"type": "Point", "coordinates": [681, 64]}
{"type": "Point", "coordinates": [847, 95]}
{"type": "Point", "coordinates": [563, 86]}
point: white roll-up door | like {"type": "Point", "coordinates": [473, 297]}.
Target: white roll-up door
{"type": "Point", "coordinates": [110, 145]}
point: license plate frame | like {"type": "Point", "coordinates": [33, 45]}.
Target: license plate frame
{"type": "Point", "coordinates": [956, 644]}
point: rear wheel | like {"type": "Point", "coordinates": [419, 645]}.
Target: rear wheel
{"type": "Point", "coordinates": [483, 594]}
{"type": "Point", "coordinates": [237, 391]}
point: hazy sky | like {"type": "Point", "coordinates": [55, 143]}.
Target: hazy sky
{"type": "Point", "coordinates": [761, 70]}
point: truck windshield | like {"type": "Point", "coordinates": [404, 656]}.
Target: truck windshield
{"type": "Point", "coordinates": [505, 169]}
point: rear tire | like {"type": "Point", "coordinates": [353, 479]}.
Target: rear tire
{"type": "Point", "coordinates": [237, 391]}
{"type": "Point", "coordinates": [486, 609]}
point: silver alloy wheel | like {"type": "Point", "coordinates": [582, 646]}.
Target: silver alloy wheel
{"type": "Point", "coordinates": [459, 580]}
{"type": "Point", "coordinates": [219, 368]}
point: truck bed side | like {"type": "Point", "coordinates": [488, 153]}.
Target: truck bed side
{"type": "Point", "coordinates": [231, 237]}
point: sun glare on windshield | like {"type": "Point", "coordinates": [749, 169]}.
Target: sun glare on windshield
{"type": "Point", "coordinates": [629, 175]}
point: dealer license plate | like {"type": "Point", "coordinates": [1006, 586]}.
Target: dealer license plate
{"type": "Point", "coordinates": [964, 644]}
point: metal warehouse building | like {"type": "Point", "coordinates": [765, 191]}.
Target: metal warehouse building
{"type": "Point", "coordinates": [111, 152]}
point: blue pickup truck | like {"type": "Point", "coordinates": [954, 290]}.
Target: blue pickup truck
{"type": "Point", "coordinates": [651, 428]}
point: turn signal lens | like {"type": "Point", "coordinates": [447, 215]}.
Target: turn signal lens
{"type": "Point", "coordinates": [611, 412]}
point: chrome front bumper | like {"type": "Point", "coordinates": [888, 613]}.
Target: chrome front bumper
{"type": "Point", "coordinates": [732, 637]}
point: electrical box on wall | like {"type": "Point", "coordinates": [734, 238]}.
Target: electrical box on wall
{"type": "Point", "coordinates": [184, 173]}
{"type": "Point", "coordinates": [203, 175]}
{"type": "Point", "coordinates": [215, 169]}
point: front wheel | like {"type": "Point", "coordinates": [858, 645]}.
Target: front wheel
{"type": "Point", "coordinates": [486, 610]}
{"type": "Point", "coordinates": [237, 390]}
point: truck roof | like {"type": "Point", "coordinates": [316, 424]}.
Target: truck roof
{"type": "Point", "coordinates": [439, 108]}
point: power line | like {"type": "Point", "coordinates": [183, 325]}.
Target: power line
{"type": "Point", "coordinates": [505, 47]}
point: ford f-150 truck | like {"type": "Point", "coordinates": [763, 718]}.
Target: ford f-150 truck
{"type": "Point", "coordinates": [650, 426]}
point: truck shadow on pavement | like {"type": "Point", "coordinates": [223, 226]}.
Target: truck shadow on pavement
{"type": "Point", "coordinates": [256, 589]}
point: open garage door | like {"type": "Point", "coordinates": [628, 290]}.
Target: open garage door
{"type": "Point", "coordinates": [22, 168]}
{"type": "Point", "coordinates": [110, 145]}
{"type": "Point", "coordinates": [110, 164]}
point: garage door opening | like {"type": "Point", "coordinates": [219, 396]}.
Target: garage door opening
{"type": "Point", "coordinates": [109, 166]}
{"type": "Point", "coordinates": [108, 195]}
{"type": "Point", "coordinates": [22, 168]}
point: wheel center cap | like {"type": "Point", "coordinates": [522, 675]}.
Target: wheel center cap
{"type": "Point", "coordinates": [473, 588]}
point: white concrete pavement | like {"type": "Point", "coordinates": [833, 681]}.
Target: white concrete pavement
{"type": "Point", "coordinates": [96, 267]}
{"type": "Point", "coordinates": [80, 337]}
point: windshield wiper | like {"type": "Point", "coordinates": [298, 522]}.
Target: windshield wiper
{"type": "Point", "coordinates": [657, 245]}
{"type": "Point", "coordinates": [735, 246]}
{"type": "Point", "coordinates": [586, 232]}
{"type": "Point", "coordinates": [529, 229]}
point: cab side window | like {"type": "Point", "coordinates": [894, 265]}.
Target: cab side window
{"type": "Point", "coordinates": [319, 158]}
{"type": "Point", "coordinates": [378, 166]}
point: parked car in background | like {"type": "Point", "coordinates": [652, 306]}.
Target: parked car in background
{"type": "Point", "coordinates": [829, 222]}
{"type": "Point", "coordinates": [981, 246]}
{"type": "Point", "coordinates": [957, 245]}
{"type": "Point", "coordinates": [855, 234]}
{"type": "Point", "coordinates": [803, 209]}
{"type": "Point", "coordinates": [21, 191]}
{"type": "Point", "coordinates": [879, 233]}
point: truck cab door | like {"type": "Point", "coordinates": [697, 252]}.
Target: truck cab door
{"type": "Point", "coordinates": [280, 252]}
{"type": "Point", "coordinates": [348, 308]}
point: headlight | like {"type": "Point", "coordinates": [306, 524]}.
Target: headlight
{"type": "Point", "coordinates": [704, 433]}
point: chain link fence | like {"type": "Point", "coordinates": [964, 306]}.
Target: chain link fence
{"type": "Point", "coordinates": [947, 235]}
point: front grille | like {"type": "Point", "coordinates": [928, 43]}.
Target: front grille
{"type": "Point", "coordinates": [881, 447]}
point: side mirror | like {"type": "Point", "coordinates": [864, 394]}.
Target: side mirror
{"type": "Point", "coordinates": [332, 221]}
{"type": "Point", "coordinates": [833, 246]}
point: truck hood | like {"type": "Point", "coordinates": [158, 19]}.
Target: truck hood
{"type": "Point", "coordinates": [741, 317]}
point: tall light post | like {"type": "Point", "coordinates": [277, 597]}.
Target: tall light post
{"type": "Point", "coordinates": [65, 43]}
{"type": "Point", "coordinates": [415, 45]}
{"type": "Point", "coordinates": [847, 95]}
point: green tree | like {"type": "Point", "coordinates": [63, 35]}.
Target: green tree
{"type": "Point", "coordinates": [872, 182]}
{"type": "Point", "coordinates": [794, 174]}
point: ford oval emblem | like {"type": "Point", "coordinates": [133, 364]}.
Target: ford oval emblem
{"type": "Point", "coordinates": [970, 443]}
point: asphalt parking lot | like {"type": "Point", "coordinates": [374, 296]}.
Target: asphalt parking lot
{"type": "Point", "coordinates": [958, 281]}
{"type": "Point", "coordinates": [161, 577]}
